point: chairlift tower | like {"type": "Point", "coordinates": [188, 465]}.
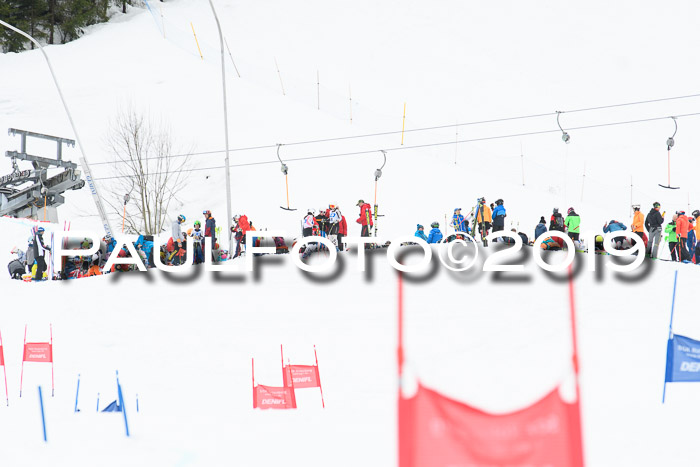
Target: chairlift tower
{"type": "Point", "coordinates": [31, 193]}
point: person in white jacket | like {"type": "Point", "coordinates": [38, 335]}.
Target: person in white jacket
{"type": "Point", "coordinates": [334, 218]}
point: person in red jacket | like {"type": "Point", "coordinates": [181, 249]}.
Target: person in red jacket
{"type": "Point", "coordinates": [342, 231]}
{"type": "Point", "coordinates": [682, 226]}
{"type": "Point", "coordinates": [365, 219]}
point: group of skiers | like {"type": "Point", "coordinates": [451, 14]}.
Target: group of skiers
{"type": "Point", "coordinates": [681, 234]}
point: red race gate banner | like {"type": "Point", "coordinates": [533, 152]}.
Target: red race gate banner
{"type": "Point", "coordinates": [4, 371]}
{"type": "Point", "coordinates": [37, 352]}
{"type": "Point", "coordinates": [437, 431]}
{"type": "Point", "coordinates": [302, 376]}
{"type": "Point", "coordinates": [269, 397]}
{"type": "Point", "coordinates": [272, 397]}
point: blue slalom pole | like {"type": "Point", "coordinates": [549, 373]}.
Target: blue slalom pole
{"type": "Point", "coordinates": [670, 328]}
{"type": "Point", "coordinates": [121, 404]}
{"type": "Point", "coordinates": [43, 419]}
{"type": "Point", "coordinates": [77, 391]}
{"type": "Point", "coordinates": [98, 403]}
{"type": "Point", "coordinates": [137, 403]}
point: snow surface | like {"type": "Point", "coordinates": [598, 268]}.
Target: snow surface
{"type": "Point", "coordinates": [184, 345]}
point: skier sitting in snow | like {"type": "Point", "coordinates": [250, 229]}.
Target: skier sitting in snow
{"type": "Point", "coordinates": [420, 232]}
{"type": "Point", "coordinates": [94, 269]}
{"type": "Point", "coordinates": [435, 235]}
{"type": "Point", "coordinates": [16, 266]}
{"type": "Point", "coordinates": [615, 226]}
{"type": "Point", "coordinates": [499, 216]}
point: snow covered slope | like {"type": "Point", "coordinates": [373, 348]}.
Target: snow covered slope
{"type": "Point", "coordinates": [184, 344]}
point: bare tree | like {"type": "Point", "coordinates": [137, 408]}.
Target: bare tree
{"type": "Point", "coordinates": [147, 169]}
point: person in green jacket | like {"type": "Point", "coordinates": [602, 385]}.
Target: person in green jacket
{"type": "Point", "coordinates": [573, 224]}
{"type": "Point", "coordinates": [672, 238]}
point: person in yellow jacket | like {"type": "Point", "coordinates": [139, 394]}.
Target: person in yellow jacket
{"type": "Point", "coordinates": [483, 217]}
{"type": "Point", "coordinates": [638, 224]}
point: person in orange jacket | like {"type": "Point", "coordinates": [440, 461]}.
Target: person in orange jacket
{"type": "Point", "coordinates": [682, 226]}
{"type": "Point", "coordinates": [638, 224]}
{"type": "Point", "coordinates": [94, 269]}
{"type": "Point", "coordinates": [365, 219]}
{"type": "Point", "coordinates": [483, 217]}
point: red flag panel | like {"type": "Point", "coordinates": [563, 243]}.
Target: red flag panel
{"type": "Point", "coordinates": [303, 376]}
{"type": "Point", "coordinates": [269, 397]}
{"type": "Point", "coordinates": [440, 432]}
{"type": "Point", "coordinates": [2, 356]}
{"type": "Point", "coordinates": [38, 352]}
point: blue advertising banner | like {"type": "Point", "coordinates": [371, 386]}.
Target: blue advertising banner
{"type": "Point", "coordinates": [682, 360]}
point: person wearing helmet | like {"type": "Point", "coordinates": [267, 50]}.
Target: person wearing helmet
{"type": "Point", "coordinates": [365, 219]}
{"type": "Point", "coordinates": [420, 232]}
{"type": "Point", "coordinates": [615, 226]}
{"type": "Point", "coordinates": [458, 222]}
{"type": "Point", "coordinates": [499, 216]}
{"type": "Point", "coordinates": [672, 238]}
{"type": "Point", "coordinates": [209, 229]}
{"type": "Point", "coordinates": [483, 217]}
{"type": "Point", "coordinates": [654, 223]}
{"type": "Point", "coordinates": [691, 241]}
{"type": "Point", "coordinates": [198, 235]}
{"type": "Point", "coordinates": [435, 233]}
{"type": "Point", "coordinates": [573, 224]}
{"type": "Point", "coordinates": [682, 227]}
{"type": "Point", "coordinates": [556, 222]}
{"type": "Point", "coordinates": [40, 250]}
{"type": "Point", "coordinates": [334, 219]}
{"type": "Point", "coordinates": [309, 223]}
{"type": "Point", "coordinates": [147, 247]}
{"type": "Point", "coordinates": [638, 225]}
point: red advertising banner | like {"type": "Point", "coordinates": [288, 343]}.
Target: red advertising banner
{"type": "Point", "coordinates": [437, 431]}
{"type": "Point", "coordinates": [38, 352]}
{"type": "Point", "coordinates": [303, 376]}
{"type": "Point", "coordinates": [4, 370]}
{"type": "Point", "coordinates": [269, 397]}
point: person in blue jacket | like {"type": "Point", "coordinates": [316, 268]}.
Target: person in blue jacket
{"type": "Point", "coordinates": [420, 232]}
{"type": "Point", "coordinates": [541, 228]}
{"type": "Point", "coordinates": [435, 234]}
{"type": "Point", "coordinates": [498, 215]}
{"type": "Point", "coordinates": [147, 247]}
{"type": "Point", "coordinates": [110, 243]}
{"type": "Point", "coordinates": [458, 222]}
{"type": "Point", "coordinates": [615, 226]}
